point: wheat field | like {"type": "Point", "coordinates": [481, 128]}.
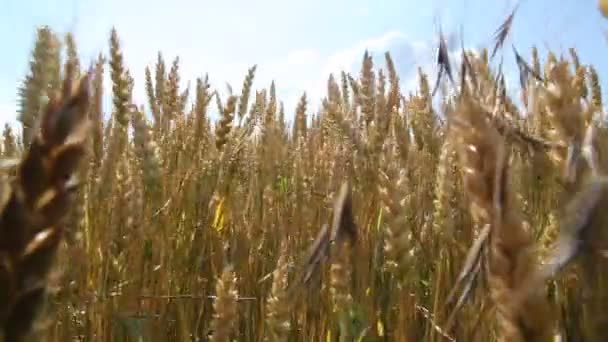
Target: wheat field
{"type": "Point", "coordinates": [463, 211]}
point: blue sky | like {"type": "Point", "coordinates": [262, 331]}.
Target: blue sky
{"type": "Point", "coordinates": [296, 43]}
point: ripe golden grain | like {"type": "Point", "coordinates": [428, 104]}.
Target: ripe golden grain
{"type": "Point", "coordinates": [424, 219]}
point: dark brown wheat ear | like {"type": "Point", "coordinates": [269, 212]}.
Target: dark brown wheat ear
{"type": "Point", "coordinates": [503, 31]}
{"type": "Point", "coordinates": [343, 230]}
{"type": "Point", "coordinates": [443, 63]}
{"type": "Point", "coordinates": [33, 205]}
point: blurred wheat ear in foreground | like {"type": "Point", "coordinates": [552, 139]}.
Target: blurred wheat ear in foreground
{"type": "Point", "coordinates": [34, 200]}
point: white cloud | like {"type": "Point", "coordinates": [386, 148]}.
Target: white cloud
{"type": "Point", "coordinates": [348, 58]}
{"type": "Point", "coordinates": [408, 54]}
